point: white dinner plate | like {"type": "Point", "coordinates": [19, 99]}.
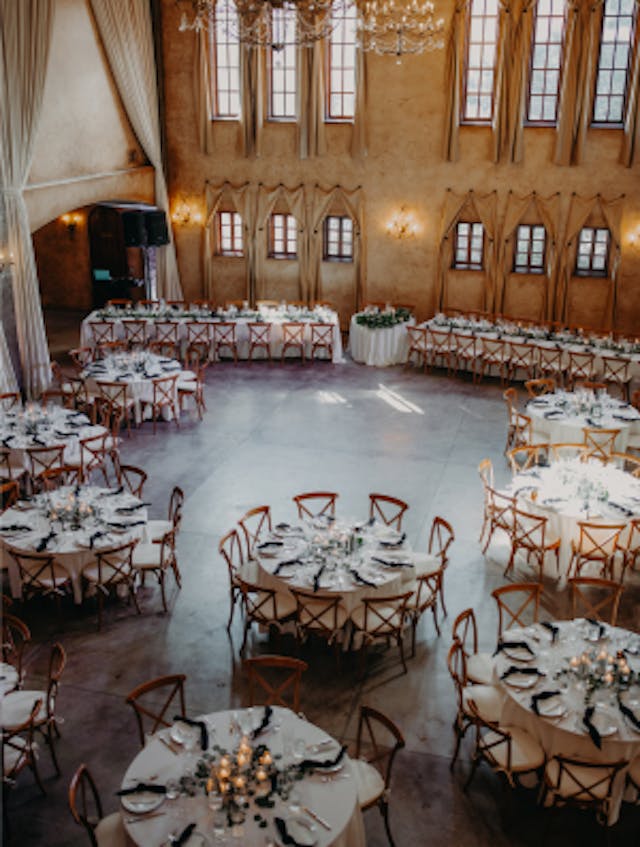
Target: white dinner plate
{"type": "Point", "coordinates": [142, 802]}
{"type": "Point", "coordinates": [301, 830]}
{"type": "Point", "coordinates": [521, 681]}
{"type": "Point", "coordinates": [551, 708]}
{"type": "Point", "coordinates": [602, 725]}
{"type": "Point", "coordinates": [333, 769]}
{"type": "Point", "coordinates": [197, 839]}
{"type": "Point", "coordinates": [519, 654]}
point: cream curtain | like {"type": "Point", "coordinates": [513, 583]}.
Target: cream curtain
{"type": "Point", "coordinates": [241, 199]}
{"type": "Point", "coordinates": [576, 95]}
{"type": "Point", "coordinates": [322, 201]}
{"type": "Point", "coordinates": [483, 208]}
{"type": "Point", "coordinates": [25, 39]}
{"type": "Point", "coordinates": [454, 71]}
{"type": "Point", "coordinates": [8, 381]}
{"type": "Point", "coordinates": [359, 133]}
{"type": "Point", "coordinates": [292, 199]}
{"type": "Point", "coordinates": [631, 138]}
{"type": "Point", "coordinates": [251, 117]}
{"type": "Point", "coordinates": [580, 210]}
{"type": "Point", "coordinates": [547, 212]}
{"type": "Point", "coordinates": [126, 33]}
{"type": "Point", "coordinates": [202, 90]}
{"type": "Point", "coordinates": [505, 60]}
{"type": "Point", "coordinates": [310, 66]}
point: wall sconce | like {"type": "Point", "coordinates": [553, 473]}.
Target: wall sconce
{"type": "Point", "coordinates": [71, 221]}
{"type": "Point", "coordinates": [6, 260]}
{"type": "Point", "coordinates": [634, 236]}
{"type": "Point", "coordinates": [402, 225]}
{"type": "Point", "coordinates": [183, 214]}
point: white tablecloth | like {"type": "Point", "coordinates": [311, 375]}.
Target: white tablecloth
{"type": "Point", "coordinates": [50, 425]}
{"type": "Point", "coordinates": [71, 547]}
{"type": "Point", "coordinates": [275, 317]}
{"type": "Point", "coordinates": [379, 347]}
{"type": "Point", "coordinates": [566, 734]}
{"type": "Point", "coordinates": [559, 417]}
{"type": "Point", "coordinates": [335, 801]}
{"type": "Point", "coordinates": [569, 491]}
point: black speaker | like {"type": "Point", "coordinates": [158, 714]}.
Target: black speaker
{"type": "Point", "coordinates": [135, 234]}
{"type": "Point", "coordinates": [156, 225]}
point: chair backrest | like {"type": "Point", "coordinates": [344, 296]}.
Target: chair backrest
{"type": "Point", "coordinates": [293, 333]}
{"type": "Point", "coordinates": [581, 782]}
{"type": "Point", "coordinates": [42, 459]}
{"type": "Point", "coordinates": [152, 700]}
{"type": "Point", "coordinates": [259, 333]}
{"type": "Point", "coordinates": [511, 399]}
{"type": "Point", "coordinates": [93, 453]}
{"type": "Point", "coordinates": [253, 523]}
{"type": "Point", "coordinates": [516, 603]}
{"type": "Point", "coordinates": [17, 745]}
{"type": "Point", "coordinates": [549, 360]}
{"type": "Point", "coordinates": [113, 393]}
{"type": "Point", "coordinates": [84, 802]}
{"type": "Point", "coordinates": [64, 475]}
{"type": "Point", "coordinates": [566, 450]}
{"type": "Point", "coordinates": [230, 548]}
{"type": "Point", "coordinates": [164, 390]}
{"type": "Point", "coordinates": [313, 504]}
{"type": "Point", "coordinates": [114, 564]}
{"type": "Point", "coordinates": [135, 331]}
{"type": "Point", "coordinates": [523, 432]}
{"type": "Point", "coordinates": [166, 332]}
{"type": "Point", "coordinates": [580, 364]}
{"type": "Point", "coordinates": [595, 598]}
{"type": "Point", "coordinates": [485, 469]}
{"type": "Point", "coordinates": [522, 355]}
{"type": "Point", "coordinates": [597, 542]}
{"type": "Point", "coordinates": [465, 346]}
{"type": "Point", "coordinates": [465, 630]}
{"type": "Point", "coordinates": [441, 538]}
{"type": "Point", "coordinates": [57, 664]}
{"type": "Point", "coordinates": [539, 387]}
{"type": "Point", "coordinates": [599, 443]}
{"type": "Point", "coordinates": [318, 612]}
{"type": "Point", "coordinates": [224, 334]}
{"type": "Point", "coordinates": [322, 335]}
{"type": "Point", "coordinates": [529, 529]}
{"type": "Point", "coordinates": [197, 355]}
{"type": "Point", "coordinates": [259, 604]}
{"type": "Point", "coordinates": [378, 740]}
{"type": "Point", "coordinates": [81, 356]}
{"type": "Point", "coordinates": [176, 501]}
{"type": "Point", "coordinates": [38, 573]}
{"type": "Point", "coordinates": [198, 333]}
{"type": "Point", "coordinates": [102, 331]}
{"type": "Point", "coordinates": [15, 637]}
{"type": "Point", "coordinates": [385, 615]}
{"type": "Point", "coordinates": [389, 509]}
{"type": "Point", "coordinates": [9, 400]}
{"type": "Point", "coordinates": [526, 456]}
{"type": "Point", "coordinates": [129, 476]}
{"type": "Point", "coordinates": [9, 493]}
{"type": "Point", "coordinates": [439, 341]}
{"type": "Point", "coordinates": [493, 742]}
{"type": "Point", "coordinates": [276, 678]}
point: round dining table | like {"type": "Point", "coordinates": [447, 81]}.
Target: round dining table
{"type": "Point", "coordinates": [571, 490]}
{"type": "Point", "coordinates": [563, 415]}
{"type": "Point", "coordinates": [71, 523]}
{"type": "Point", "coordinates": [379, 346]}
{"type": "Point", "coordinates": [550, 699]}
{"type": "Point", "coordinates": [323, 806]}
{"type": "Point", "coordinates": [35, 425]}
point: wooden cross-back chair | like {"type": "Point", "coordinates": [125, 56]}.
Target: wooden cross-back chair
{"type": "Point", "coordinates": [166, 349]}
{"type": "Point", "coordinates": [264, 606]}
{"type": "Point", "coordinates": [579, 366]}
{"type": "Point", "coordinates": [102, 332]}
{"type": "Point", "coordinates": [15, 637]}
{"type": "Point", "coordinates": [595, 598]}
{"type": "Point", "coordinates": [485, 470]}
{"type": "Point", "coordinates": [135, 332]}
{"type": "Point", "coordinates": [64, 475]}
{"type": "Point", "coordinates": [441, 537]}
{"type": "Point", "coordinates": [438, 348]}
{"type": "Point", "coordinates": [569, 781]}
{"type": "Point", "coordinates": [527, 456]}
{"type": "Point", "coordinates": [321, 339]}
{"type": "Point", "coordinates": [166, 332]}
{"type": "Point", "coordinates": [254, 523]}
{"type": "Point", "coordinates": [596, 544]}
{"type": "Point", "coordinates": [522, 357]}
{"type": "Point", "coordinates": [599, 443]}
{"type": "Point", "coordinates": [494, 354]}
{"type": "Point", "coordinates": [18, 752]}
{"type": "Point", "coordinates": [43, 459]}
{"type": "Point", "coordinates": [224, 338]}
{"type": "Point", "coordinates": [230, 548]}
{"type": "Point", "coordinates": [427, 589]}
{"type": "Point", "coordinates": [156, 559]}
{"type": "Point", "coordinates": [616, 371]}
{"type": "Point", "coordinates": [110, 348]}
{"type": "Point", "coordinates": [81, 356]}
{"type": "Point", "coordinates": [631, 547]}
{"type": "Point", "coordinates": [540, 387]}
{"type": "Point", "coordinates": [9, 493]}
{"type": "Point", "coordinates": [500, 508]}
{"type": "Point", "coordinates": [155, 701]}
{"type": "Point", "coordinates": [382, 618]}
{"type": "Point", "coordinates": [390, 510]}
{"type": "Point", "coordinates": [194, 389]}
{"type": "Point", "coordinates": [165, 396]}
{"type": "Point", "coordinates": [293, 338]}
{"type": "Point", "coordinates": [79, 398]}
{"type": "Point", "coordinates": [529, 534]}
{"type": "Point", "coordinates": [566, 450]}
{"type": "Point", "coordinates": [112, 568]}
{"type": "Point", "coordinates": [377, 744]}
{"type": "Point", "coordinates": [417, 338]}
{"type": "Point", "coordinates": [314, 504]}
{"type": "Point", "coordinates": [510, 397]}
{"type": "Point", "coordinates": [9, 400]}
{"type": "Point", "coordinates": [117, 402]}
{"type": "Point", "coordinates": [276, 679]}
{"type": "Point", "coordinates": [479, 666]}
{"type": "Point", "coordinates": [86, 809]}
{"type": "Point", "coordinates": [197, 354]}
{"type": "Point", "coordinates": [321, 614]}
{"type": "Point", "coordinates": [199, 333]}
{"type": "Point", "coordinates": [464, 353]}
{"type": "Point", "coordinates": [130, 477]}
{"type": "Point", "coordinates": [259, 338]}
{"type": "Point", "coordinates": [550, 364]}
{"type": "Point", "coordinates": [41, 574]}
{"type": "Point", "coordinates": [94, 450]}
{"type": "Point", "coordinates": [515, 603]}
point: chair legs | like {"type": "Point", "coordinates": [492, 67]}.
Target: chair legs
{"type": "Point", "coordinates": [384, 811]}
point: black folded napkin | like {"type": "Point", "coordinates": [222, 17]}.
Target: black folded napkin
{"type": "Point", "coordinates": [113, 493]}
{"type": "Point", "coordinates": [96, 536]}
{"type": "Point", "coordinates": [39, 441]}
{"type": "Point", "coordinates": [397, 543]}
{"type": "Point", "coordinates": [285, 564]}
{"type": "Point", "coordinates": [543, 695]}
{"type": "Point", "coordinates": [15, 527]}
{"type": "Point", "coordinates": [285, 838]}
{"type": "Point", "coordinates": [360, 579]}
{"type": "Point", "coordinates": [264, 723]}
{"type": "Point", "coordinates": [513, 645]}
{"type": "Point", "coordinates": [201, 725]}
{"type": "Point", "coordinates": [391, 564]}
{"type": "Point", "coordinates": [119, 525]}
{"type": "Point", "coordinates": [62, 434]}
{"type": "Point", "coordinates": [626, 711]}
{"type": "Point", "coordinates": [539, 401]}
{"type": "Point", "coordinates": [317, 764]}
{"type": "Point", "coordinates": [630, 652]}
{"type": "Point", "coordinates": [624, 418]}
{"type": "Point", "coordinates": [601, 627]}
{"type": "Point", "coordinates": [316, 578]}
{"type": "Point", "coordinates": [5, 441]}
{"type": "Point", "coordinates": [126, 510]}
{"type": "Point", "coordinates": [553, 413]}
{"type": "Point", "coordinates": [593, 423]}
{"type": "Point", "coordinates": [514, 670]}
{"type": "Point", "coordinates": [42, 544]}
{"type": "Point", "coordinates": [151, 787]}
{"type": "Point", "coordinates": [184, 836]}
{"type": "Point", "coordinates": [283, 526]}
{"type": "Point", "coordinates": [265, 544]}
{"type": "Point", "coordinates": [553, 629]}
{"type": "Point", "coordinates": [621, 508]}
{"type": "Point", "coordinates": [591, 729]}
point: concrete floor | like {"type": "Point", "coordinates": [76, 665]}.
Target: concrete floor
{"type": "Point", "coordinates": [271, 432]}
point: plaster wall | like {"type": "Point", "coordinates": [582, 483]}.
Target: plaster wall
{"type": "Point", "coordinates": [404, 166]}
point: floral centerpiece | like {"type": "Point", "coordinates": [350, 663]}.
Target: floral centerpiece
{"type": "Point", "coordinates": [597, 669]}
{"type": "Point", "coordinates": [387, 318]}
{"type": "Point", "coordinates": [70, 511]}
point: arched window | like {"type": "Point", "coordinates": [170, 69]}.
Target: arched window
{"type": "Point", "coordinates": [614, 61]}
{"type": "Point", "coordinates": [341, 64]}
{"type": "Point", "coordinates": [546, 62]}
{"type": "Point", "coordinates": [225, 52]}
{"type": "Point", "coordinates": [482, 35]}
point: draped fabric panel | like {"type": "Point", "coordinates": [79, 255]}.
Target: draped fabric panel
{"type": "Point", "coordinates": [8, 381]}
{"type": "Point", "coordinates": [25, 39]}
{"type": "Point", "coordinates": [580, 210]}
{"type": "Point", "coordinates": [454, 71]}
{"type": "Point", "coordinates": [576, 94]}
{"type": "Point", "coordinates": [352, 202]}
{"type": "Point", "coordinates": [631, 138]}
{"type": "Point", "coordinates": [126, 33]}
{"type": "Point", "coordinates": [202, 91]}
{"type": "Point", "coordinates": [505, 60]}
{"type": "Point", "coordinates": [547, 212]}
{"type": "Point", "coordinates": [518, 81]}
{"type": "Point", "coordinates": [251, 117]}
{"type": "Point", "coordinates": [359, 135]}
{"type": "Point", "coordinates": [241, 199]}
{"type": "Point", "coordinates": [481, 207]}
{"type": "Point", "coordinates": [292, 199]}
{"type": "Point", "coordinates": [311, 135]}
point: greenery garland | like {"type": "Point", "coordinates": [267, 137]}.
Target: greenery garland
{"type": "Point", "coordinates": [383, 320]}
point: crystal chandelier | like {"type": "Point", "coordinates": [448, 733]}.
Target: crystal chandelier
{"type": "Point", "coordinates": [398, 28]}
{"type": "Point", "coordinates": [264, 23]}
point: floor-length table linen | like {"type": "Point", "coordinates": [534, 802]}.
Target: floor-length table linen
{"type": "Point", "coordinates": [380, 346]}
{"type": "Point", "coordinates": [335, 801]}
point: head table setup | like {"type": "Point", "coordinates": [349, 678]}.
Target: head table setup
{"type": "Point", "coordinates": [572, 490]}
{"type": "Point", "coordinates": [157, 314]}
{"type": "Point", "coordinates": [378, 337]}
{"type": "Point", "coordinates": [72, 524]}
{"type": "Point", "coordinates": [575, 687]}
{"type": "Point", "coordinates": [257, 777]}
